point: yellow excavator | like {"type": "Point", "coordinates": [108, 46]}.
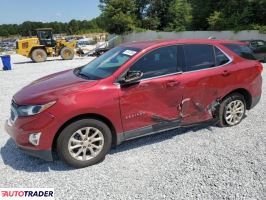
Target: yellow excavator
{"type": "Point", "coordinates": [44, 45]}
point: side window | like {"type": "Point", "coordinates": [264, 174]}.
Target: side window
{"type": "Point", "coordinates": [159, 62]}
{"type": "Point", "coordinates": [241, 50]}
{"type": "Point", "coordinates": [254, 44]}
{"type": "Point", "coordinates": [221, 58]}
{"type": "Point", "coordinates": [199, 56]}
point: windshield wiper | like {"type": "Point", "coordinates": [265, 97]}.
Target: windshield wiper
{"type": "Point", "coordinates": [78, 72]}
{"type": "Point", "coordinates": [81, 74]}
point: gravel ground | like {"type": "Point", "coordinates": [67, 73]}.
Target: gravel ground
{"type": "Point", "coordinates": [196, 163]}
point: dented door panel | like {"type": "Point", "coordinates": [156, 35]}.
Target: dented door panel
{"type": "Point", "coordinates": [203, 90]}
{"type": "Point", "coordinates": [150, 102]}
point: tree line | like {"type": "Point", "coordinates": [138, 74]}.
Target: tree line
{"type": "Point", "coordinates": [181, 15]}
{"type": "Point", "coordinates": [121, 16]}
{"type": "Point", "coordinates": [73, 27]}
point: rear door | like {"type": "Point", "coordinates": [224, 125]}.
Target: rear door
{"type": "Point", "coordinates": [206, 75]}
{"type": "Point", "coordinates": [155, 99]}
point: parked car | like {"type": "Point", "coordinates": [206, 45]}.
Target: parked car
{"type": "Point", "coordinates": [86, 44]}
{"type": "Point", "coordinates": [259, 49]}
{"type": "Point", "coordinates": [8, 45]}
{"type": "Point", "coordinates": [135, 89]}
{"type": "Point", "coordinates": [90, 47]}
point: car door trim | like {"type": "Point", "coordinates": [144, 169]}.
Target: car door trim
{"type": "Point", "coordinates": [148, 130]}
{"type": "Point", "coordinates": [158, 128]}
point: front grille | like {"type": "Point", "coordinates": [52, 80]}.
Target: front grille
{"type": "Point", "coordinates": [13, 112]}
{"type": "Point", "coordinates": [12, 115]}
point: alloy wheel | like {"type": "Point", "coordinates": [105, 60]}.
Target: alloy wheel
{"type": "Point", "coordinates": [234, 112]}
{"type": "Point", "coordinates": [86, 143]}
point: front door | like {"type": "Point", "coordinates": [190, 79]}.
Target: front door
{"type": "Point", "coordinates": [155, 99]}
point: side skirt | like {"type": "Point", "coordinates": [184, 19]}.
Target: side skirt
{"type": "Point", "coordinates": [157, 128]}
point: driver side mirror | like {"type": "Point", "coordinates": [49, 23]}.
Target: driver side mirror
{"type": "Point", "coordinates": [131, 78]}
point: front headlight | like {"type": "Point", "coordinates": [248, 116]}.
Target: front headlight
{"type": "Point", "coordinates": [33, 109]}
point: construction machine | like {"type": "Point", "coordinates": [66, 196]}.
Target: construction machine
{"type": "Point", "coordinates": [44, 45]}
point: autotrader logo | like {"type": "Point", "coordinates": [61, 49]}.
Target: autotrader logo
{"type": "Point", "coordinates": [27, 193]}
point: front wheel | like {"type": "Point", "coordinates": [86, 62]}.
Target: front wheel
{"type": "Point", "coordinates": [84, 143]}
{"type": "Point", "coordinates": [67, 53]}
{"type": "Point", "coordinates": [232, 110]}
{"type": "Point", "coordinates": [38, 55]}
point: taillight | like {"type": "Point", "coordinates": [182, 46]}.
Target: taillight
{"type": "Point", "coordinates": [260, 68]}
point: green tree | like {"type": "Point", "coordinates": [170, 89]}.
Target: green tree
{"type": "Point", "coordinates": [216, 21]}
{"type": "Point", "coordinates": [159, 9]}
{"type": "Point", "coordinates": [3, 32]}
{"type": "Point", "coordinates": [73, 26]}
{"type": "Point", "coordinates": [119, 16]}
{"type": "Point", "coordinates": [179, 16]}
{"type": "Point", "coordinates": [201, 10]}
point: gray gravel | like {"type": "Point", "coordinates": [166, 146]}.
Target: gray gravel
{"type": "Point", "coordinates": [192, 163]}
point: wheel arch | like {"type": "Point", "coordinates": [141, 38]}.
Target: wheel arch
{"type": "Point", "coordinates": [246, 94]}
{"type": "Point", "coordinates": [60, 48]}
{"type": "Point", "coordinates": [37, 47]}
{"type": "Point", "coordinates": [91, 116]}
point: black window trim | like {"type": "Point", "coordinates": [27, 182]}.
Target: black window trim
{"type": "Point", "coordinates": [164, 75]}
{"type": "Point", "coordinates": [230, 59]}
{"type": "Point", "coordinates": [182, 68]}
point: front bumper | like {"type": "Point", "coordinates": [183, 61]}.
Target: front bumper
{"type": "Point", "coordinates": [43, 154]}
{"type": "Point", "coordinates": [23, 127]}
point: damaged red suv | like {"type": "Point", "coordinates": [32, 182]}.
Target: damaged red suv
{"type": "Point", "coordinates": [133, 90]}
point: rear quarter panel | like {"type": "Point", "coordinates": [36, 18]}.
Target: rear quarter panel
{"type": "Point", "coordinates": [249, 77]}
{"type": "Point", "coordinates": [244, 74]}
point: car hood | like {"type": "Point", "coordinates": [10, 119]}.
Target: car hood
{"type": "Point", "coordinates": [51, 87]}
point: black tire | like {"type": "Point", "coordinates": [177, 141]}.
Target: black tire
{"type": "Point", "coordinates": [223, 106]}
{"type": "Point", "coordinates": [67, 53]}
{"type": "Point", "coordinates": [64, 139]}
{"type": "Point", "coordinates": [38, 55]}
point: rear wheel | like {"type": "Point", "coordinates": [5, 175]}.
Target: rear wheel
{"type": "Point", "coordinates": [84, 143]}
{"type": "Point", "coordinates": [67, 53]}
{"type": "Point", "coordinates": [38, 55]}
{"type": "Point", "coordinates": [232, 110]}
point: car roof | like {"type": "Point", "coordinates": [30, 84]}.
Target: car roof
{"type": "Point", "coordinates": [156, 43]}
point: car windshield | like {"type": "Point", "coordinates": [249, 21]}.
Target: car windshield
{"type": "Point", "coordinates": [106, 64]}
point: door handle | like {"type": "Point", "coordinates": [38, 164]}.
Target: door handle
{"type": "Point", "coordinates": [172, 83]}
{"type": "Point", "coordinates": [226, 73]}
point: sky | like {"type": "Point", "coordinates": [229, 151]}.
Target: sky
{"type": "Point", "coordinates": [18, 11]}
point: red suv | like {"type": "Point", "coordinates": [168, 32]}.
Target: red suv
{"type": "Point", "coordinates": [133, 90]}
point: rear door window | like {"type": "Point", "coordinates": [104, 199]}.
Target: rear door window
{"type": "Point", "coordinates": [199, 56]}
{"type": "Point", "coordinates": [242, 50]}
{"type": "Point", "coordinates": [220, 57]}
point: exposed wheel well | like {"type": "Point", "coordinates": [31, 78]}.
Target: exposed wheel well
{"type": "Point", "coordinates": [91, 116]}
{"type": "Point", "coordinates": [246, 95]}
